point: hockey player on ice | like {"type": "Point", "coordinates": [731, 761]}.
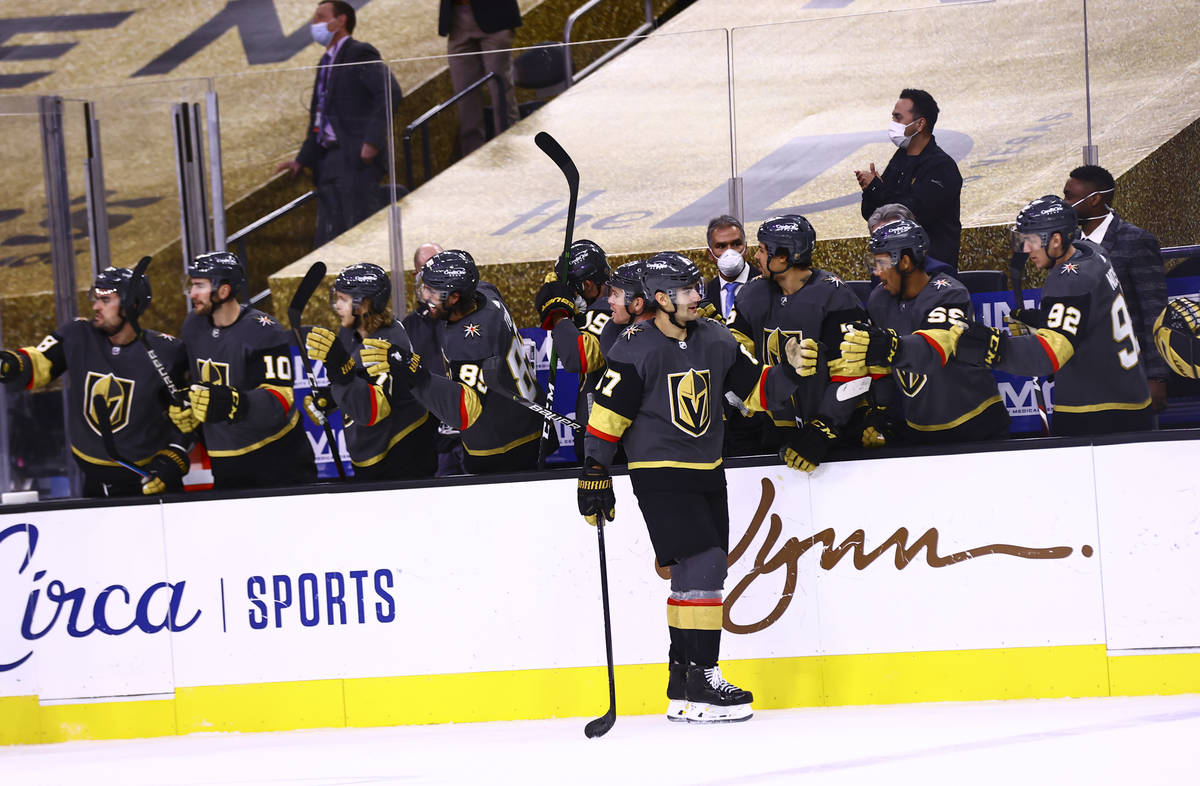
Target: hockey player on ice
{"type": "Point", "coordinates": [660, 397]}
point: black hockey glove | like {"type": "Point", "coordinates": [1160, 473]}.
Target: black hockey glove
{"type": "Point", "coordinates": [867, 345]}
{"type": "Point", "coordinates": [211, 403]}
{"type": "Point", "coordinates": [876, 430]}
{"type": "Point", "coordinates": [1022, 321]}
{"type": "Point", "coordinates": [978, 345]}
{"type": "Point", "coordinates": [380, 357]}
{"type": "Point", "coordinates": [319, 404]}
{"type": "Point", "coordinates": [166, 468]}
{"type": "Point", "coordinates": [806, 450]}
{"type": "Point", "coordinates": [596, 496]}
{"type": "Point", "coordinates": [555, 301]}
{"type": "Point", "coordinates": [323, 345]}
{"type": "Point", "coordinates": [11, 365]}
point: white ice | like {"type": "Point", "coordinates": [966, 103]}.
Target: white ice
{"type": "Point", "coordinates": [1143, 740]}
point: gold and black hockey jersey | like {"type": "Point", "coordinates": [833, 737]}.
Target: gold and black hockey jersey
{"type": "Point", "coordinates": [254, 356]}
{"type": "Point", "coordinates": [136, 395]}
{"type": "Point", "coordinates": [1088, 340]}
{"type": "Point", "coordinates": [940, 393]}
{"type": "Point", "coordinates": [577, 343]}
{"type": "Point", "coordinates": [376, 413]}
{"type": "Point", "coordinates": [483, 338]}
{"type": "Point", "coordinates": [661, 397]}
{"type": "Point", "coordinates": [764, 319]}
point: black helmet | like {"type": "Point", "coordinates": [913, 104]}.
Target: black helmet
{"type": "Point", "coordinates": [219, 267]}
{"type": "Point", "coordinates": [451, 271]}
{"type": "Point", "coordinates": [134, 292]}
{"type": "Point", "coordinates": [363, 280]}
{"type": "Point", "coordinates": [669, 272]}
{"type": "Point", "coordinates": [587, 262]}
{"type": "Point", "coordinates": [897, 238]}
{"type": "Point", "coordinates": [791, 235]}
{"type": "Point", "coordinates": [1042, 218]}
{"type": "Point", "coordinates": [628, 279]}
{"type": "Point", "coordinates": [1177, 336]}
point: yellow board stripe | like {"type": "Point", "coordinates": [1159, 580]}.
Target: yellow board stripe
{"type": "Point", "coordinates": [778, 683]}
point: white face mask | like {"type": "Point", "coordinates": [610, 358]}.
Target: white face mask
{"type": "Point", "coordinates": [896, 131]}
{"type": "Point", "coordinates": [731, 263]}
{"type": "Point", "coordinates": [321, 33]}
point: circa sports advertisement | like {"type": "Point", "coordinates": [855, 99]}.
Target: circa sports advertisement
{"type": "Point", "coordinates": [877, 556]}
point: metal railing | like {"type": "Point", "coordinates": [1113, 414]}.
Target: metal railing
{"type": "Point", "coordinates": [499, 116]}
{"type": "Point", "coordinates": [622, 45]}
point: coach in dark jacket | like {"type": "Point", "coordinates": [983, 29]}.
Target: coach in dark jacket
{"type": "Point", "coordinates": [921, 176]}
{"type": "Point", "coordinates": [348, 124]}
{"type": "Point", "coordinates": [1136, 258]}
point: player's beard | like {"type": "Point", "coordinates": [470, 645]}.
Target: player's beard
{"type": "Point", "coordinates": [202, 308]}
{"type": "Point", "coordinates": [107, 328]}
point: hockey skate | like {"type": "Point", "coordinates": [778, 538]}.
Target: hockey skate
{"type": "Point", "coordinates": [710, 699]}
{"type": "Point", "coordinates": [677, 703]}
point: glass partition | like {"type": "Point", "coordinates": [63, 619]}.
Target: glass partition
{"type": "Point", "coordinates": [648, 133]}
{"type": "Point", "coordinates": [813, 101]}
{"type": "Point", "coordinates": [33, 445]}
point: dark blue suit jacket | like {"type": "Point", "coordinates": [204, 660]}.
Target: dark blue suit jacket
{"type": "Point", "coordinates": [1136, 258]}
{"type": "Point", "coordinates": [356, 104]}
{"type": "Point", "coordinates": [490, 15]}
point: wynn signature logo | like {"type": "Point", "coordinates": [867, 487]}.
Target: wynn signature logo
{"type": "Point", "coordinates": [773, 556]}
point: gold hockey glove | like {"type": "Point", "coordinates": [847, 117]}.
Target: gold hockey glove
{"type": "Point", "coordinates": [323, 345]}
{"type": "Point", "coordinates": [212, 403]}
{"type": "Point", "coordinates": [802, 355]}
{"type": "Point", "coordinates": [554, 301]}
{"type": "Point", "coordinates": [183, 417]}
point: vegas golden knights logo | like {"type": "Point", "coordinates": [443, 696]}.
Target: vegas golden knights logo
{"type": "Point", "coordinates": [117, 393]}
{"type": "Point", "coordinates": [212, 372]}
{"type": "Point", "coordinates": [910, 382]}
{"type": "Point", "coordinates": [690, 401]}
{"type": "Point", "coordinates": [775, 340]}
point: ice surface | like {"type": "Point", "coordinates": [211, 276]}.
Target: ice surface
{"type": "Point", "coordinates": [1142, 740]}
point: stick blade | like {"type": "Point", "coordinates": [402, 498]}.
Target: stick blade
{"type": "Point", "coordinates": [140, 268]}
{"type": "Point", "coordinates": [552, 148]}
{"type": "Point", "coordinates": [308, 285]}
{"type": "Point", "coordinates": [600, 726]}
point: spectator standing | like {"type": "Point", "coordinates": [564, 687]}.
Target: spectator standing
{"type": "Point", "coordinates": [479, 35]}
{"type": "Point", "coordinates": [348, 124]}
{"type": "Point", "coordinates": [920, 176]}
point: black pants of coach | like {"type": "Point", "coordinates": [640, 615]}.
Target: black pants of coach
{"type": "Point", "coordinates": [346, 192]}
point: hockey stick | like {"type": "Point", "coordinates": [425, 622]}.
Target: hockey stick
{"type": "Point", "coordinates": [308, 285]}
{"type": "Point", "coordinates": [139, 270]}
{"type": "Point", "coordinates": [104, 425]}
{"type": "Point", "coordinates": [1016, 273]}
{"type": "Point", "coordinates": [601, 725]}
{"type": "Point", "coordinates": [550, 146]}
{"type": "Point", "coordinates": [491, 375]}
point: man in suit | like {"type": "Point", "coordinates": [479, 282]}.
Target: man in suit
{"type": "Point", "coordinates": [348, 124]}
{"type": "Point", "coordinates": [479, 34]}
{"type": "Point", "coordinates": [726, 240]}
{"type": "Point", "coordinates": [726, 234]}
{"type": "Point", "coordinates": [1135, 256]}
